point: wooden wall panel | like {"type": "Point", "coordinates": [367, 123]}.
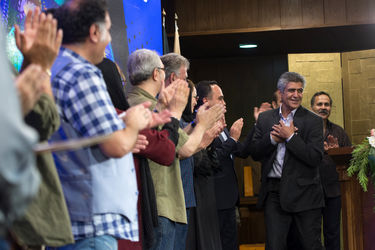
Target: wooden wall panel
{"type": "Point", "coordinates": [291, 13]}
{"type": "Point", "coordinates": [230, 16]}
{"type": "Point", "coordinates": [269, 13]}
{"type": "Point", "coordinates": [357, 11]}
{"type": "Point", "coordinates": [358, 82]}
{"type": "Point", "coordinates": [322, 72]}
{"type": "Point", "coordinates": [334, 12]}
{"type": "Point", "coordinates": [250, 18]}
{"type": "Point", "coordinates": [313, 12]}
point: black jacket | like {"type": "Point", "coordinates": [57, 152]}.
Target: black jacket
{"type": "Point", "coordinates": [300, 185]}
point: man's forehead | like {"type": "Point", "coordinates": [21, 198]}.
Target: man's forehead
{"type": "Point", "coordinates": [322, 99]}
{"type": "Point", "coordinates": [216, 87]}
{"type": "Point", "coordinates": [293, 84]}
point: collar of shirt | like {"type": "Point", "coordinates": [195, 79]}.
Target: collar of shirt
{"type": "Point", "coordinates": [70, 53]}
{"type": "Point", "coordinates": [139, 93]}
{"type": "Point", "coordinates": [289, 118]}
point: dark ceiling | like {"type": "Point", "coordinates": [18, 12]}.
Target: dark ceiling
{"type": "Point", "coordinates": [314, 40]}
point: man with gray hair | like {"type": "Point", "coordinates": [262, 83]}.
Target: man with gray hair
{"type": "Point", "coordinates": [176, 67]}
{"type": "Point", "coordinates": [289, 143]}
{"type": "Point", "coordinates": [147, 74]}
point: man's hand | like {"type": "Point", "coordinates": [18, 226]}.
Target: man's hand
{"type": "Point", "coordinates": [138, 117]}
{"type": "Point", "coordinates": [332, 143]}
{"type": "Point", "coordinates": [30, 87]}
{"type": "Point", "coordinates": [211, 134]}
{"type": "Point", "coordinates": [165, 96]}
{"type": "Point", "coordinates": [206, 117]}
{"type": "Point", "coordinates": [263, 107]}
{"type": "Point", "coordinates": [235, 130]}
{"type": "Point", "coordinates": [141, 144]}
{"type": "Point", "coordinates": [180, 98]}
{"type": "Point", "coordinates": [281, 132]}
{"type": "Point", "coordinates": [159, 118]}
{"type": "Point", "coordinates": [40, 41]}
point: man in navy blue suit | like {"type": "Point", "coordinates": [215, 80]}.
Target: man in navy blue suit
{"type": "Point", "coordinates": [226, 184]}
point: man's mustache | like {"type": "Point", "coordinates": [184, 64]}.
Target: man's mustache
{"type": "Point", "coordinates": [323, 111]}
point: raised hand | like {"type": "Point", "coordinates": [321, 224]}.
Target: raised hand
{"type": "Point", "coordinates": [165, 96]}
{"type": "Point", "coordinates": [206, 117]}
{"type": "Point", "coordinates": [332, 143]}
{"type": "Point", "coordinates": [30, 86]}
{"type": "Point", "coordinates": [211, 134]}
{"type": "Point", "coordinates": [141, 144]}
{"type": "Point", "coordinates": [235, 130]}
{"type": "Point", "coordinates": [138, 117]}
{"type": "Point", "coordinates": [263, 107]}
{"type": "Point", "coordinates": [40, 41]}
{"type": "Point", "coordinates": [180, 98]}
{"type": "Point", "coordinates": [160, 118]}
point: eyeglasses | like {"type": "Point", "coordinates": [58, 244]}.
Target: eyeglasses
{"type": "Point", "coordinates": [160, 68]}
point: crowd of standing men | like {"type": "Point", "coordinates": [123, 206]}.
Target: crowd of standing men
{"type": "Point", "coordinates": [164, 177]}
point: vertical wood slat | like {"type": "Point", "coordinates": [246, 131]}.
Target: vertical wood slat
{"type": "Point", "coordinates": [291, 13]}
{"type": "Point", "coordinates": [269, 13]}
{"type": "Point", "coordinates": [313, 12]}
{"type": "Point", "coordinates": [249, 17]}
{"type": "Point", "coordinates": [357, 11]}
{"type": "Point", "coordinates": [187, 16]}
{"type": "Point", "coordinates": [216, 15]}
{"type": "Point", "coordinates": [335, 12]}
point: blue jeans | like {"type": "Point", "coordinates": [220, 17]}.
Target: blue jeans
{"type": "Point", "coordinates": [165, 234]}
{"type": "Point", "coordinates": [181, 233]}
{"type": "Point", "coordinates": [104, 242]}
{"type": "Point", "coordinates": [4, 244]}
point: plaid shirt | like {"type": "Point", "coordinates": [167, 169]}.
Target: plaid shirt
{"type": "Point", "coordinates": [82, 99]}
{"type": "Point", "coordinates": [102, 224]}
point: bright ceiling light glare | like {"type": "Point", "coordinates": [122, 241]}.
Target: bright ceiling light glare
{"type": "Point", "coordinates": [248, 46]}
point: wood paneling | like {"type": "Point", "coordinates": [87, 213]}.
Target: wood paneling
{"type": "Point", "coordinates": [230, 16]}
{"type": "Point", "coordinates": [291, 13]}
{"type": "Point", "coordinates": [322, 72]}
{"type": "Point", "coordinates": [357, 11]}
{"type": "Point", "coordinates": [358, 83]}
{"type": "Point", "coordinates": [334, 12]}
{"type": "Point", "coordinates": [313, 12]}
{"type": "Point", "coordinates": [269, 13]}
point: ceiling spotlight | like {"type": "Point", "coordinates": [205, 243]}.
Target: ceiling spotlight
{"type": "Point", "coordinates": [248, 46]}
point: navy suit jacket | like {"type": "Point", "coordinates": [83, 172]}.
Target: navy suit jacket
{"type": "Point", "coordinates": [226, 184]}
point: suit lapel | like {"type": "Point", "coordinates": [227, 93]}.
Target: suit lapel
{"type": "Point", "coordinates": [297, 121]}
{"type": "Point", "coordinates": [276, 117]}
{"type": "Point", "coordinates": [298, 118]}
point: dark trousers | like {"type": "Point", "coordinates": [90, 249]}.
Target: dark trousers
{"type": "Point", "coordinates": [278, 222]}
{"type": "Point", "coordinates": [331, 226]}
{"type": "Point", "coordinates": [331, 223]}
{"type": "Point", "coordinates": [228, 228]}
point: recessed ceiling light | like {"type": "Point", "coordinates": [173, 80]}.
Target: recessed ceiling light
{"type": "Point", "coordinates": [248, 46]}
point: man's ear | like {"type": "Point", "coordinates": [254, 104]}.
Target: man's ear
{"type": "Point", "coordinates": [155, 75]}
{"type": "Point", "coordinates": [173, 77]}
{"type": "Point", "coordinates": [94, 33]}
{"type": "Point", "coordinates": [204, 100]}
